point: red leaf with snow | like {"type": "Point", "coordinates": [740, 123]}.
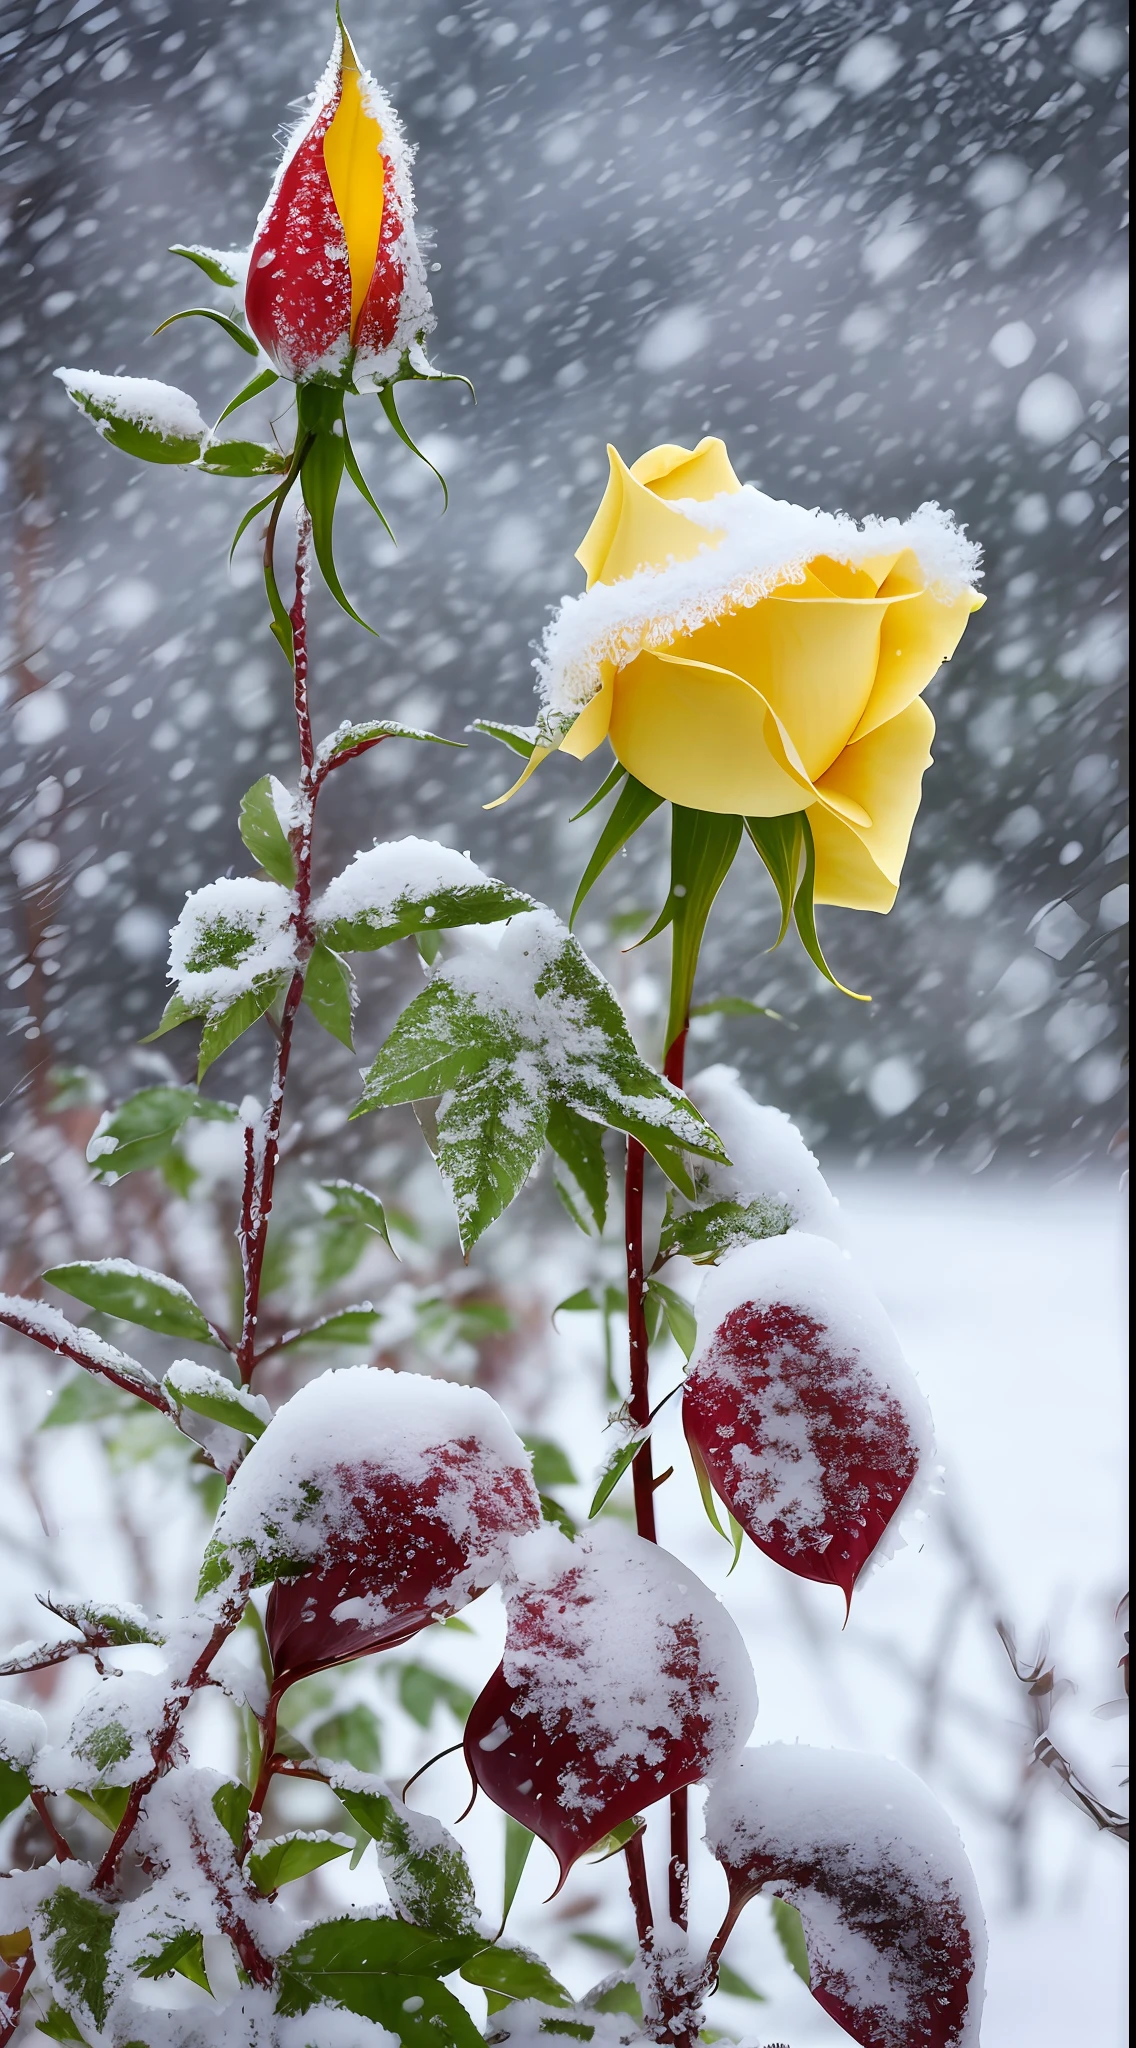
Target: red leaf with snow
{"type": "Point", "coordinates": [891, 1916]}
{"type": "Point", "coordinates": [801, 1408]}
{"type": "Point", "coordinates": [623, 1679]}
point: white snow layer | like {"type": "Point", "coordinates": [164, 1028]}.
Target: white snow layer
{"type": "Point", "coordinates": [363, 1423]}
{"type": "Point", "coordinates": [160, 408]}
{"type": "Point", "coordinates": [185, 1376]}
{"type": "Point", "coordinates": [875, 1866]}
{"type": "Point", "coordinates": [51, 1328]}
{"type": "Point", "coordinates": [770, 1161]}
{"type": "Point", "coordinates": [753, 545]}
{"type": "Point", "coordinates": [631, 1642]}
{"type": "Point", "coordinates": [378, 881]}
{"type": "Point", "coordinates": [22, 1733]}
{"type": "Point", "coordinates": [231, 936]}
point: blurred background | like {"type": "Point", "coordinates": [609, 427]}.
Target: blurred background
{"type": "Point", "coordinates": [877, 249]}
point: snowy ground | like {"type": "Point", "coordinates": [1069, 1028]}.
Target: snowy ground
{"type": "Point", "coordinates": [1007, 1298]}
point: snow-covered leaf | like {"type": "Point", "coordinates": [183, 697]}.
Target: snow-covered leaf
{"type": "Point", "coordinates": [351, 738]}
{"type": "Point", "coordinates": [141, 1130]}
{"type": "Point", "coordinates": [889, 1912]}
{"type": "Point", "coordinates": [209, 1393]}
{"type": "Point", "coordinates": [242, 458]}
{"type": "Point", "coordinates": [771, 1169]}
{"type": "Point", "coordinates": [354, 1325]}
{"type": "Point", "coordinates": [386, 1970]}
{"type": "Point", "coordinates": [406, 886]}
{"type": "Point", "coordinates": [233, 939]}
{"type": "Point", "coordinates": [221, 266]}
{"type": "Point", "coordinates": [73, 1934]}
{"type": "Point", "coordinates": [263, 810]}
{"type": "Point", "coordinates": [424, 1867]}
{"type": "Point", "coordinates": [520, 739]}
{"type": "Point", "coordinates": [272, 1864]}
{"type": "Point", "coordinates": [349, 1202]}
{"type": "Point", "coordinates": [801, 1406]}
{"type": "Point", "coordinates": [704, 1234]}
{"type": "Point", "coordinates": [135, 1295]}
{"type": "Point", "coordinates": [154, 422]}
{"type": "Point", "coordinates": [184, 1954]}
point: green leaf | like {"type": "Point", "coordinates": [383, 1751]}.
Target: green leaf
{"type": "Point", "coordinates": [577, 1303]}
{"type": "Point", "coordinates": [613, 1471]}
{"type": "Point", "coordinates": [264, 835]}
{"type": "Point", "coordinates": [263, 381]}
{"type": "Point", "coordinates": [423, 910]}
{"type": "Point", "coordinates": [386, 400]}
{"type": "Point", "coordinates": [15, 1787]}
{"type": "Point", "coordinates": [618, 1838]}
{"type": "Point", "coordinates": [221, 266]}
{"type": "Point", "coordinates": [706, 1234]}
{"type": "Point", "coordinates": [107, 1803]}
{"type": "Point", "coordinates": [677, 1314]}
{"type": "Point", "coordinates": [228, 326]}
{"type": "Point", "coordinates": [377, 1966]}
{"type": "Point", "coordinates": [705, 1489]}
{"type": "Point", "coordinates": [352, 1203]}
{"type": "Point", "coordinates": [551, 1467]}
{"type": "Point", "coordinates": [791, 1935]}
{"type": "Point", "coordinates": [737, 1986]}
{"type": "Point", "coordinates": [633, 807]}
{"type": "Point", "coordinates": [231, 1806]}
{"type": "Point", "coordinates": [142, 1129]}
{"type": "Point", "coordinates": [353, 1736]}
{"type": "Point", "coordinates": [347, 738]}
{"type": "Point", "coordinates": [135, 1295]}
{"type": "Point", "coordinates": [77, 1933]}
{"type": "Point", "coordinates": [85, 1398]}
{"type": "Point", "coordinates": [211, 1394]}
{"type": "Point", "coordinates": [518, 1844]}
{"type": "Point", "coordinates": [490, 1137]}
{"type": "Point", "coordinates": [343, 1326]}
{"type": "Point", "coordinates": [59, 2025]}
{"type": "Point", "coordinates": [778, 841]}
{"type": "Point", "coordinates": [552, 1511]}
{"type": "Point", "coordinates": [423, 1867]}
{"type": "Point", "coordinates": [579, 1143]}
{"type": "Point", "coordinates": [520, 739]}
{"type": "Point", "coordinates": [272, 1864]}
{"type": "Point", "coordinates": [111, 1624]}
{"type": "Point", "coordinates": [734, 1006]}
{"type": "Point", "coordinates": [515, 1973]}
{"type": "Point", "coordinates": [605, 1945]}
{"type": "Point", "coordinates": [121, 415]}
{"type": "Point", "coordinates": [805, 916]}
{"type": "Point", "coordinates": [619, 1998]}
{"type": "Point", "coordinates": [223, 1031]}
{"type": "Point", "coordinates": [329, 992]}
{"type": "Point", "coordinates": [185, 1953]}
{"type": "Point", "coordinates": [177, 1011]}
{"type": "Point", "coordinates": [438, 1041]}
{"type": "Point", "coordinates": [421, 1691]}
{"type": "Point", "coordinates": [243, 458]}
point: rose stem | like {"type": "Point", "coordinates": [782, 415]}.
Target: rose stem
{"type": "Point", "coordinates": [678, 1870]}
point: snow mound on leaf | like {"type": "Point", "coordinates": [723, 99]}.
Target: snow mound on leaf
{"type": "Point", "coordinates": [303, 1486]}
{"type": "Point", "coordinates": [754, 544]}
{"type": "Point", "coordinates": [161, 408]}
{"type": "Point", "coordinates": [231, 936]}
{"type": "Point", "coordinates": [382, 877]}
{"type": "Point", "coordinates": [892, 1918]}
{"type": "Point", "coordinates": [628, 1649]}
{"type": "Point", "coordinates": [22, 1733]}
{"type": "Point", "coordinates": [770, 1161]}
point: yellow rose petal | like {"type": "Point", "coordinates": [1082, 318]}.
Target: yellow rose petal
{"type": "Point", "coordinates": [674, 472]}
{"type": "Point", "coordinates": [813, 660]}
{"type": "Point", "coordinates": [704, 738]}
{"type": "Point", "coordinates": [538, 755]}
{"type": "Point", "coordinates": [859, 867]}
{"type": "Point", "coordinates": [589, 730]}
{"type": "Point", "coordinates": [634, 529]}
{"type": "Point", "coordinates": [917, 636]}
{"type": "Point", "coordinates": [353, 158]}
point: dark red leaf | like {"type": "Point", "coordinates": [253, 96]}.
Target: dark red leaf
{"type": "Point", "coordinates": [623, 1679]}
{"type": "Point", "coordinates": [801, 1408]}
{"type": "Point", "coordinates": [891, 1917]}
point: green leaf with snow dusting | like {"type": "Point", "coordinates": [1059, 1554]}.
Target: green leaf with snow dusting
{"type": "Point", "coordinates": [75, 1932]}
{"type": "Point", "coordinates": [291, 1856]}
{"type": "Point", "coordinates": [424, 1867]}
{"type": "Point", "coordinates": [135, 1295]}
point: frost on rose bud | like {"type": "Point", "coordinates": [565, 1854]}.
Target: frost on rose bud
{"type": "Point", "coordinates": [623, 1679]}
{"type": "Point", "coordinates": [335, 272]}
{"type": "Point", "coordinates": [892, 1921]}
{"type": "Point", "coordinates": [386, 1500]}
{"type": "Point", "coordinates": [801, 1409]}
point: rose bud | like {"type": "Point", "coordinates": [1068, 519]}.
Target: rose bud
{"type": "Point", "coordinates": [388, 1499]}
{"type": "Point", "coordinates": [800, 1407]}
{"type": "Point", "coordinates": [623, 1679]}
{"type": "Point", "coordinates": [336, 282]}
{"type": "Point", "coordinates": [891, 1917]}
{"type": "Point", "coordinates": [753, 658]}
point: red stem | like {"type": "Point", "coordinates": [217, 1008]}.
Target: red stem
{"type": "Point", "coordinates": [678, 1869]}
{"type": "Point", "coordinates": [640, 1893]}
{"type": "Point", "coordinates": [14, 1998]}
{"type": "Point", "coordinates": [267, 1766]}
{"type": "Point", "coordinates": [63, 1850]}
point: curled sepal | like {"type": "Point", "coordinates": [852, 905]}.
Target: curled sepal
{"type": "Point", "coordinates": [802, 1408]}
{"type": "Point", "coordinates": [154, 422]}
{"type": "Point", "coordinates": [889, 1909]}
{"type": "Point", "coordinates": [388, 1499]}
{"type": "Point", "coordinates": [623, 1679]}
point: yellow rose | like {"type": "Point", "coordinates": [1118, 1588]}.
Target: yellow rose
{"type": "Point", "coordinates": [754, 658]}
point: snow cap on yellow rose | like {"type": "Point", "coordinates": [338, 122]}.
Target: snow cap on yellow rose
{"type": "Point", "coordinates": [751, 657]}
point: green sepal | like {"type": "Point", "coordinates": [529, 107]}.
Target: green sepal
{"type": "Point", "coordinates": [209, 261]}
{"type": "Point", "coordinates": [222, 320]}
{"type": "Point", "coordinates": [321, 473]}
{"type": "Point", "coordinates": [609, 783]}
{"type": "Point", "coordinates": [263, 381]}
{"type": "Point", "coordinates": [633, 806]}
{"type": "Point", "coordinates": [351, 464]}
{"type": "Point", "coordinates": [778, 841]}
{"type": "Point", "coordinates": [386, 400]}
{"type": "Point", "coordinates": [329, 992]}
{"type": "Point", "coordinates": [805, 916]}
{"type": "Point", "coordinates": [703, 845]}
{"type": "Point", "coordinates": [520, 739]}
{"type": "Point", "coordinates": [243, 459]}
{"type": "Point", "coordinates": [263, 834]}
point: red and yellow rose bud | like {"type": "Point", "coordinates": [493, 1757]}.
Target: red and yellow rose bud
{"type": "Point", "coordinates": [336, 281]}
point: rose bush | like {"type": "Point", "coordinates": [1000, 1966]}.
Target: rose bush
{"type": "Point", "coordinates": [750, 657]}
